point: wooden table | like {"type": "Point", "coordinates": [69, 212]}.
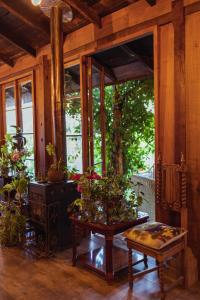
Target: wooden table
{"type": "Point", "coordinates": [101, 260]}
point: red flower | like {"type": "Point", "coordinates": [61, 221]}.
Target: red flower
{"type": "Point", "coordinates": [75, 176]}
{"type": "Point", "coordinates": [94, 176]}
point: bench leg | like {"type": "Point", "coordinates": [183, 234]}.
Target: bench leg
{"type": "Point", "coordinates": [145, 261]}
{"type": "Point", "coordinates": [161, 279]}
{"type": "Point", "coordinates": [130, 271]}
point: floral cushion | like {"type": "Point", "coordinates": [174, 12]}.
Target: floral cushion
{"type": "Point", "coordinates": [153, 234]}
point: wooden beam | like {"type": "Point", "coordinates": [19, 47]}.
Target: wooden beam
{"type": "Point", "coordinates": [139, 57]}
{"type": "Point", "coordinates": [108, 71]}
{"type": "Point", "coordinates": [27, 15]}
{"type": "Point", "coordinates": [132, 1]}
{"type": "Point", "coordinates": [16, 40]}
{"type": "Point", "coordinates": [6, 60]}
{"type": "Point", "coordinates": [151, 2]}
{"type": "Point", "coordinates": [192, 8]}
{"type": "Point", "coordinates": [84, 112]}
{"type": "Point", "coordinates": [85, 10]}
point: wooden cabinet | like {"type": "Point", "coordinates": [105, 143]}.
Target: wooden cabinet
{"type": "Point", "coordinates": [49, 203]}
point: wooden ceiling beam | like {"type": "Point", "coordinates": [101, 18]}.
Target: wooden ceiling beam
{"type": "Point", "coordinates": [151, 2]}
{"type": "Point", "coordinates": [138, 56]}
{"type": "Point", "coordinates": [108, 71]}
{"type": "Point", "coordinates": [17, 41]}
{"type": "Point", "coordinates": [26, 15]}
{"type": "Point", "coordinates": [85, 10]}
{"type": "Point", "coordinates": [6, 60]}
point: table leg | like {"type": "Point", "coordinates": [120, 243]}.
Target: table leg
{"type": "Point", "coordinates": [109, 258]}
{"type": "Point", "coordinates": [74, 250]}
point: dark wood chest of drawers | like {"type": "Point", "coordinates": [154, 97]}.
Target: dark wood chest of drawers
{"type": "Point", "coordinates": [49, 205]}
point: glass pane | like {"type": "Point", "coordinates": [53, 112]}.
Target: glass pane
{"type": "Point", "coordinates": [73, 118]}
{"type": "Point", "coordinates": [30, 144]}
{"type": "Point", "coordinates": [74, 152]}
{"type": "Point", "coordinates": [73, 115]}
{"type": "Point", "coordinates": [11, 121]}
{"type": "Point", "coordinates": [30, 167]}
{"type": "Point", "coordinates": [10, 98]}
{"type": "Point", "coordinates": [27, 120]}
{"type": "Point", "coordinates": [26, 94]}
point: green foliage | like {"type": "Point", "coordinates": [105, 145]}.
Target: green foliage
{"type": "Point", "coordinates": [50, 149]}
{"type": "Point", "coordinates": [57, 164]}
{"type": "Point", "coordinates": [12, 224]}
{"type": "Point", "coordinates": [12, 160]}
{"type": "Point", "coordinates": [108, 199]}
{"type": "Point", "coordinates": [19, 185]}
{"type": "Point", "coordinates": [137, 126]}
{"type": "Point", "coordinates": [12, 220]}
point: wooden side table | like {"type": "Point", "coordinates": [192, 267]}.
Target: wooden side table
{"type": "Point", "coordinates": [102, 260]}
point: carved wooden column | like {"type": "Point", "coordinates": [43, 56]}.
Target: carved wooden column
{"type": "Point", "coordinates": [57, 83]}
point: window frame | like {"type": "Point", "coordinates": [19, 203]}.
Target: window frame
{"type": "Point", "coordinates": [16, 83]}
{"type": "Point", "coordinates": [80, 135]}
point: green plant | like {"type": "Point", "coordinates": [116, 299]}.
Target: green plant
{"type": "Point", "coordinates": [135, 130]}
{"type": "Point", "coordinates": [108, 199]}
{"type": "Point", "coordinates": [12, 224]}
{"type": "Point", "coordinates": [57, 164]}
{"type": "Point", "coordinates": [12, 157]}
{"type": "Point", "coordinates": [12, 219]}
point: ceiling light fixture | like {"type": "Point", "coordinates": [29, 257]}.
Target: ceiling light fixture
{"type": "Point", "coordinates": [36, 2]}
{"type": "Point", "coordinates": [46, 5]}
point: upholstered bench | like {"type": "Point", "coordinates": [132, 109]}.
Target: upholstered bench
{"type": "Point", "coordinates": [157, 240]}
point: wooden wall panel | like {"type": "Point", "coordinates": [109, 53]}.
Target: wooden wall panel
{"type": "Point", "coordinates": [193, 127]}
{"type": "Point", "coordinates": [188, 2]}
{"type": "Point", "coordinates": [166, 93]}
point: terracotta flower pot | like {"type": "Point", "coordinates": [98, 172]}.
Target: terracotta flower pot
{"type": "Point", "coordinates": [55, 175]}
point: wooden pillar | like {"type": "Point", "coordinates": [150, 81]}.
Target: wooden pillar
{"type": "Point", "coordinates": [179, 79]}
{"type": "Point", "coordinates": [42, 114]}
{"type": "Point", "coordinates": [84, 113]}
{"type": "Point", "coordinates": [103, 120]}
{"type": "Point", "coordinates": [57, 84]}
{"type": "Point", "coordinates": [90, 112]}
{"type": "Point", "coordinates": [1, 117]}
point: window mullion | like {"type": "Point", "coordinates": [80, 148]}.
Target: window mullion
{"type": "Point", "coordinates": [18, 105]}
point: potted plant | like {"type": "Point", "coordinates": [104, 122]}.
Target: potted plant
{"type": "Point", "coordinates": [56, 170]}
{"type": "Point", "coordinates": [107, 199]}
{"type": "Point", "coordinates": [12, 218]}
{"type": "Point", "coordinates": [13, 155]}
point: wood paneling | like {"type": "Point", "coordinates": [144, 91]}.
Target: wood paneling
{"type": "Point", "coordinates": [179, 79]}
{"type": "Point", "coordinates": [193, 125]}
{"type": "Point", "coordinates": [166, 94]}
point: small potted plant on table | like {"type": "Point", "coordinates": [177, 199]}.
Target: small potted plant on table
{"type": "Point", "coordinates": [56, 170]}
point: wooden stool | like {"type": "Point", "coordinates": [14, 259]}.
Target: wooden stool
{"type": "Point", "coordinates": [174, 242]}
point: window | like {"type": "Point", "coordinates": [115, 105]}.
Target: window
{"type": "Point", "coordinates": [10, 106]}
{"type": "Point", "coordinates": [73, 118]}
{"type": "Point", "coordinates": [18, 103]}
{"type": "Point", "coordinates": [26, 104]}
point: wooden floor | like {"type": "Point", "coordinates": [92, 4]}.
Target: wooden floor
{"type": "Point", "coordinates": [25, 278]}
